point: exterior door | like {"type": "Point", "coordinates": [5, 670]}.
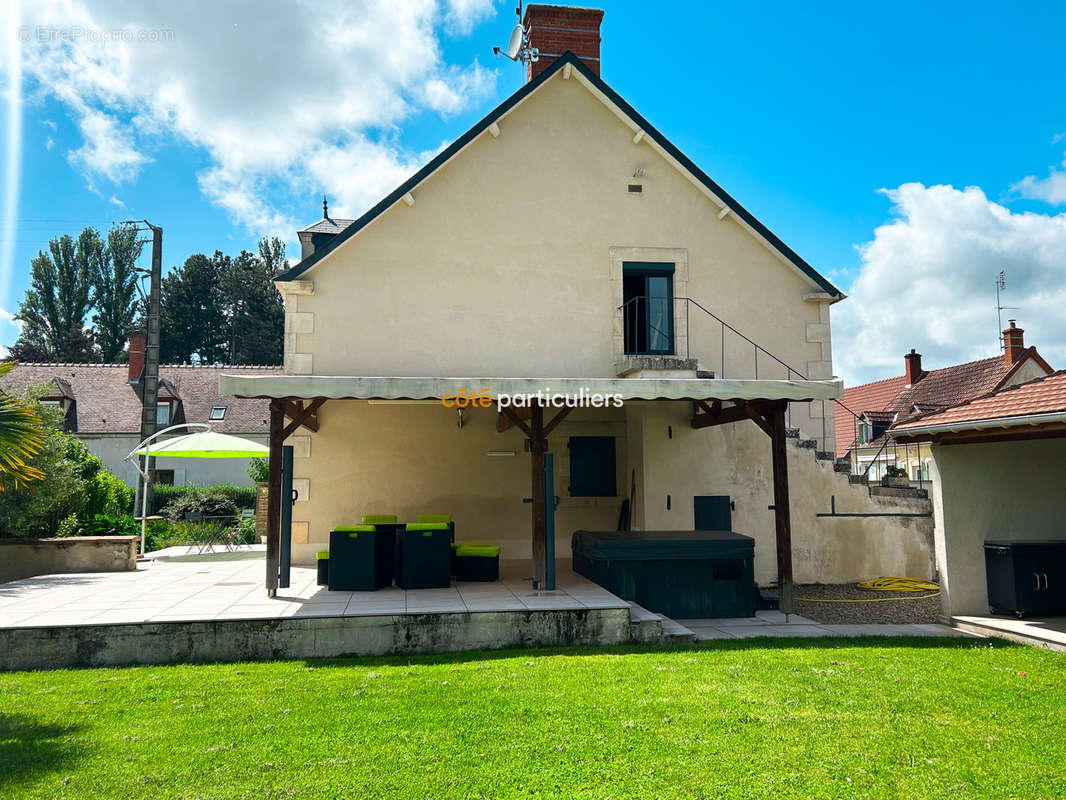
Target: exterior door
{"type": "Point", "coordinates": [712, 512]}
{"type": "Point", "coordinates": [648, 308]}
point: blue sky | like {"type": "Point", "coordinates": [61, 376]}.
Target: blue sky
{"type": "Point", "coordinates": [803, 112]}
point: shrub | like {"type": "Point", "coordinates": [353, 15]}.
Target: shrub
{"type": "Point", "coordinates": [111, 525]}
{"type": "Point", "coordinates": [164, 496]}
{"type": "Point", "coordinates": [106, 495]}
{"type": "Point", "coordinates": [206, 500]}
{"type": "Point", "coordinates": [259, 469]}
{"type": "Point", "coordinates": [69, 526]}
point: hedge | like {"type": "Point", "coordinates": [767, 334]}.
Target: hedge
{"type": "Point", "coordinates": [242, 496]}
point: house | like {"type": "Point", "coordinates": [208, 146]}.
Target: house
{"type": "Point", "coordinates": [562, 295]}
{"type": "Point", "coordinates": [873, 410]}
{"type": "Point", "coordinates": [102, 407]}
{"type": "Point", "coordinates": [998, 460]}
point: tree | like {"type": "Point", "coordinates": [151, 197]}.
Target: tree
{"type": "Point", "coordinates": [22, 436]}
{"type": "Point", "coordinates": [192, 324]}
{"type": "Point", "coordinates": [252, 306]}
{"type": "Point", "coordinates": [54, 308]}
{"type": "Point", "coordinates": [115, 291]}
{"type": "Point", "coordinates": [225, 310]}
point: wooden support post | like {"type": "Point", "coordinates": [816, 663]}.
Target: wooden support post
{"type": "Point", "coordinates": [782, 517]}
{"type": "Point", "coordinates": [537, 445]}
{"type": "Point", "coordinates": [277, 439]}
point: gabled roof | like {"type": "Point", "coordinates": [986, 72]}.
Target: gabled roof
{"type": "Point", "coordinates": [567, 59]}
{"type": "Point", "coordinates": [934, 392]}
{"type": "Point", "coordinates": [1044, 395]}
{"type": "Point", "coordinates": [327, 225]}
{"type": "Point", "coordinates": [105, 402]}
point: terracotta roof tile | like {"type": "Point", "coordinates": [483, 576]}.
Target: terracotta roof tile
{"type": "Point", "coordinates": [106, 403]}
{"type": "Point", "coordinates": [876, 396]}
{"type": "Point", "coordinates": [1045, 395]}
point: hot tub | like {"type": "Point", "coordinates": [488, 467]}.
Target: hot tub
{"type": "Point", "coordinates": [681, 574]}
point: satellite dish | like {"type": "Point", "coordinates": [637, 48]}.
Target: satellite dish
{"type": "Point", "coordinates": [515, 44]}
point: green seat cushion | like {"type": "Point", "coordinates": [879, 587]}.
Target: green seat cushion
{"type": "Point", "coordinates": [426, 526]}
{"type": "Point", "coordinates": [380, 519]}
{"type": "Point", "coordinates": [471, 550]}
{"type": "Point", "coordinates": [355, 528]}
{"type": "Point", "coordinates": [434, 518]}
{"type": "Point", "coordinates": [322, 554]}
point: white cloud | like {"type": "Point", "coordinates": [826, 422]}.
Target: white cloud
{"type": "Point", "coordinates": [266, 95]}
{"type": "Point", "coordinates": [108, 150]}
{"type": "Point", "coordinates": [1051, 189]}
{"type": "Point", "coordinates": [927, 281]}
{"type": "Point", "coordinates": [9, 318]}
{"type": "Point", "coordinates": [464, 14]}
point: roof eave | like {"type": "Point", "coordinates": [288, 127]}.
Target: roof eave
{"type": "Point", "coordinates": [649, 130]}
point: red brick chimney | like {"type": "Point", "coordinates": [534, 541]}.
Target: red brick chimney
{"type": "Point", "coordinates": [137, 340]}
{"type": "Point", "coordinates": [913, 362]}
{"type": "Point", "coordinates": [555, 29]}
{"type": "Point", "coordinates": [1013, 344]}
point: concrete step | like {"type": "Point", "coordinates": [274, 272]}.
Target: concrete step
{"type": "Point", "coordinates": [825, 455]}
{"type": "Point", "coordinates": [675, 633]}
{"type": "Point", "coordinates": [644, 626]}
{"type": "Point", "coordinates": [859, 479]}
{"type": "Point", "coordinates": [899, 491]}
{"type": "Point", "coordinates": [807, 444]}
{"type": "Point", "coordinates": [792, 433]}
{"type": "Point", "coordinates": [842, 465]}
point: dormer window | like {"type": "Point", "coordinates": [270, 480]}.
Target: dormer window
{"type": "Point", "coordinates": [162, 413]}
{"type": "Point", "coordinates": [218, 412]}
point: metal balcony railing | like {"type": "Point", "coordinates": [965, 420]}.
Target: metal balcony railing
{"type": "Point", "coordinates": [669, 326]}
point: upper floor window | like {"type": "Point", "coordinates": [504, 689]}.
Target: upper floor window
{"type": "Point", "coordinates": [648, 307]}
{"type": "Point", "coordinates": [864, 433]}
{"type": "Point", "coordinates": [218, 412]}
{"type": "Point", "coordinates": [162, 413]}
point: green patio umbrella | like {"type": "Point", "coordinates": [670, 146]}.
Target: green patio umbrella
{"type": "Point", "coordinates": [206, 444]}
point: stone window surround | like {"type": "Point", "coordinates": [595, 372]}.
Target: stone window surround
{"type": "Point", "coordinates": [678, 256]}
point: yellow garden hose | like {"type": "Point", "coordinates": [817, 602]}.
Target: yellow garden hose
{"type": "Point", "coordinates": [888, 584]}
{"type": "Point", "coordinates": [899, 585]}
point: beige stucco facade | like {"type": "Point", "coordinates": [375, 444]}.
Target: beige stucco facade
{"type": "Point", "coordinates": [995, 490]}
{"type": "Point", "coordinates": [507, 261]}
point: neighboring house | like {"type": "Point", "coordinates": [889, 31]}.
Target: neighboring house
{"type": "Point", "coordinates": [881, 406]}
{"type": "Point", "coordinates": [998, 459]}
{"type": "Point", "coordinates": [564, 244]}
{"type": "Point", "coordinates": [102, 407]}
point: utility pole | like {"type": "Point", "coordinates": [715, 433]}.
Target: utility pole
{"type": "Point", "coordinates": [150, 377]}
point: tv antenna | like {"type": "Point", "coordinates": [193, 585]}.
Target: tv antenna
{"type": "Point", "coordinates": [1001, 286]}
{"type": "Point", "coordinates": [518, 49]}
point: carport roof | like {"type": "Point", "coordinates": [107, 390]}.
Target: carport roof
{"type": "Point", "coordinates": [434, 388]}
{"type": "Point", "coordinates": [1037, 403]}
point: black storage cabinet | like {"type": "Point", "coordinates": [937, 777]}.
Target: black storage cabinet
{"type": "Point", "coordinates": [681, 574]}
{"type": "Point", "coordinates": [1026, 577]}
{"type": "Point", "coordinates": [359, 560]}
{"type": "Point", "coordinates": [424, 558]}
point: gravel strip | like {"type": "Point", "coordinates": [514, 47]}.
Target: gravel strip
{"type": "Point", "coordinates": [903, 612]}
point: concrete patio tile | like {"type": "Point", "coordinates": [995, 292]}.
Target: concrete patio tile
{"type": "Point", "coordinates": [321, 610]}
{"type": "Point", "coordinates": [784, 631]}
{"type": "Point", "coordinates": [776, 616]}
{"type": "Point", "coordinates": [724, 622]}
{"type": "Point", "coordinates": [707, 632]}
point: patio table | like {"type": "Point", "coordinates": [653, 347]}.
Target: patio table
{"type": "Point", "coordinates": [213, 531]}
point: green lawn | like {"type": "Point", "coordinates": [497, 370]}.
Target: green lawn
{"type": "Point", "coordinates": [765, 718]}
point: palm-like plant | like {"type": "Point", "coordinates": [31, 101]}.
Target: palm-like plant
{"type": "Point", "coordinates": [22, 436]}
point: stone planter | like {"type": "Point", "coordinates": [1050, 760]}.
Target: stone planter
{"type": "Point", "coordinates": [24, 558]}
{"type": "Point", "coordinates": [902, 482]}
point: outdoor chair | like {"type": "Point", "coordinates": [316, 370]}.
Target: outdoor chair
{"type": "Point", "coordinates": [438, 518]}
{"type": "Point", "coordinates": [322, 557]}
{"type": "Point", "coordinates": [358, 559]}
{"type": "Point", "coordinates": [389, 528]}
{"type": "Point", "coordinates": [423, 556]}
{"type": "Point", "coordinates": [476, 561]}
